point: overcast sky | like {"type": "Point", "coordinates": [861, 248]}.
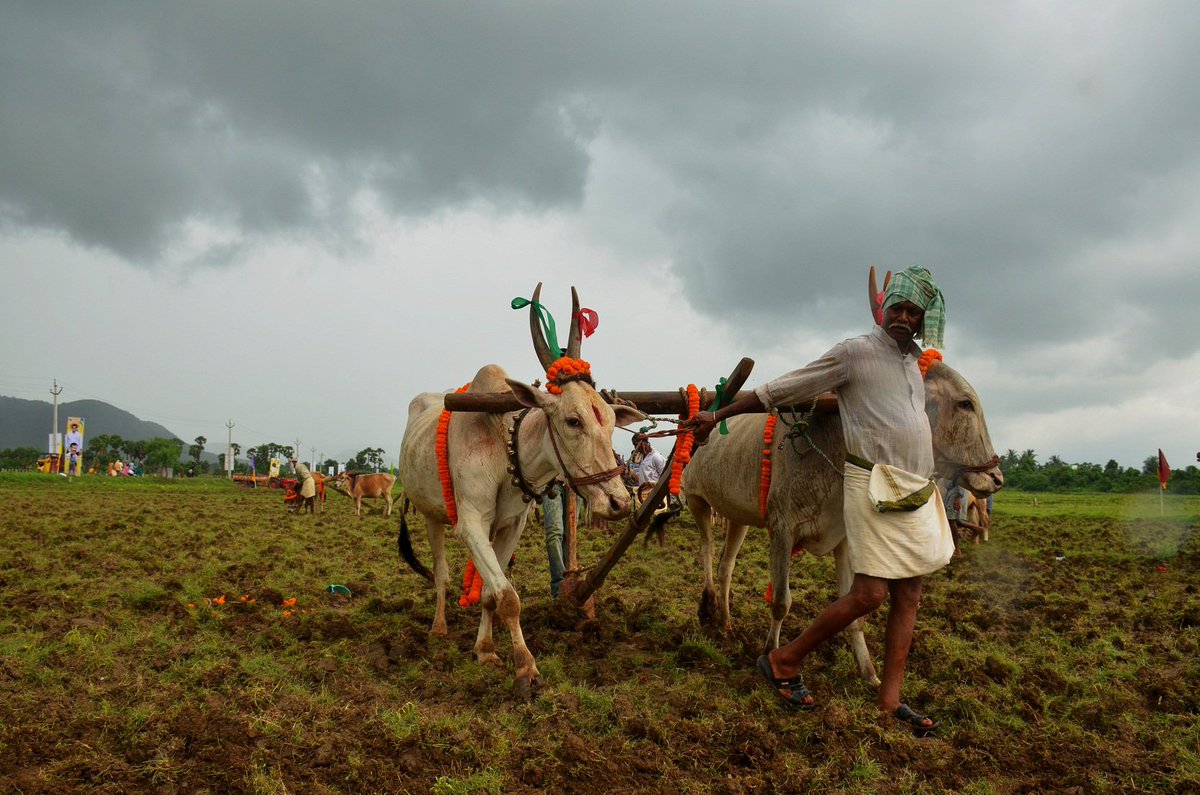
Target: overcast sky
{"type": "Point", "coordinates": [298, 215]}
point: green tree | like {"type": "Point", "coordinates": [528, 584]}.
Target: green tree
{"type": "Point", "coordinates": [104, 447]}
{"type": "Point", "coordinates": [368, 458]}
{"type": "Point", "coordinates": [19, 458]}
{"type": "Point", "coordinates": [135, 450]}
{"type": "Point", "coordinates": [195, 450]}
{"type": "Point", "coordinates": [263, 454]}
{"type": "Point", "coordinates": [163, 454]}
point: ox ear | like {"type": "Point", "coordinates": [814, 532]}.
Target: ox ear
{"type": "Point", "coordinates": [627, 415]}
{"type": "Point", "coordinates": [529, 396]}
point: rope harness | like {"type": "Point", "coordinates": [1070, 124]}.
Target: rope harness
{"type": "Point", "coordinates": [528, 493]}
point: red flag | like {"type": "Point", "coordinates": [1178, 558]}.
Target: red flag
{"type": "Point", "coordinates": [1164, 471]}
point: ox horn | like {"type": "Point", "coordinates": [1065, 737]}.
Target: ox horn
{"type": "Point", "coordinates": [544, 354]}
{"type": "Point", "coordinates": [574, 339]}
{"type": "Point", "coordinates": [875, 295]}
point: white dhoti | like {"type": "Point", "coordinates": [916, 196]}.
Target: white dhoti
{"type": "Point", "coordinates": [896, 544]}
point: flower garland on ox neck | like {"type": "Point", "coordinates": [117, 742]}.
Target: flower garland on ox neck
{"type": "Point", "coordinates": [567, 369]}
{"type": "Point", "coordinates": [928, 359]}
{"type": "Point", "coordinates": [442, 448]}
{"type": "Point", "coordinates": [683, 442]}
{"type": "Point", "coordinates": [764, 486]}
{"type": "Point", "coordinates": [472, 581]}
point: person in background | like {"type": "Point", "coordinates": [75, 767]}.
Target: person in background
{"type": "Point", "coordinates": [646, 463]}
{"type": "Point", "coordinates": [306, 487]}
{"type": "Point", "coordinates": [554, 518]}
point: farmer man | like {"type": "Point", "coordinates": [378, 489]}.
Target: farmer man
{"type": "Point", "coordinates": [306, 487]}
{"type": "Point", "coordinates": [881, 398]}
{"type": "Point", "coordinates": [645, 462]}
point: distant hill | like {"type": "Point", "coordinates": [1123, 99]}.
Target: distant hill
{"type": "Point", "coordinates": [26, 423]}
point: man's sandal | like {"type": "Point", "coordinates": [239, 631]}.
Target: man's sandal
{"type": "Point", "coordinates": [916, 721]}
{"type": "Point", "coordinates": [791, 691]}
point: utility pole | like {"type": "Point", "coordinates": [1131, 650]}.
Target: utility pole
{"type": "Point", "coordinates": [296, 450]}
{"type": "Point", "coordinates": [229, 450]}
{"type": "Point", "coordinates": [56, 391]}
{"type": "Point", "coordinates": [312, 452]}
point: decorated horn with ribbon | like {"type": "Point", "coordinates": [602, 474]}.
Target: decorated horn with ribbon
{"type": "Point", "coordinates": [574, 339]}
{"type": "Point", "coordinates": [875, 295]}
{"type": "Point", "coordinates": [539, 319]}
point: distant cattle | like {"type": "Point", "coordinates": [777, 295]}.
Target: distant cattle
{"type": "Point", "coordinates": [357, 486]}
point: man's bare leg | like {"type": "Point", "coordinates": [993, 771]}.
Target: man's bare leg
{"type": "Point", "coordinates": [902, 618]}
{"type": "Point", "coordinates": [865, 595]}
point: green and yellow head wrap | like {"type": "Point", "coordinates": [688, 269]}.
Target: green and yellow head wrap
{"type": "Point", "coordinates": [916, 284]}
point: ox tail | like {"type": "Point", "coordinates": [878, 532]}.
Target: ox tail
{"type": "Point", "coordinates": [404, 544]}
{"type": "Point", "coordinates": [657, 529]}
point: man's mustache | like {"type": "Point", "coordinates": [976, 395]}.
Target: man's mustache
{"type": "Point", "coordinates": [901, 326]}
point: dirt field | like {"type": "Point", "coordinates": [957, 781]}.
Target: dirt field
{"type": "Point", "coordinates": [1063, 656]}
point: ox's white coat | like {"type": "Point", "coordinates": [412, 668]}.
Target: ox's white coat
{"type": "Point", "coordinates": [491, 510]}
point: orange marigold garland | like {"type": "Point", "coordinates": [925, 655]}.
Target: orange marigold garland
{"type": "Point", "coordinates": [564, 370]}
{"type": "Point", "coordinates": [443, 461]}
{"type": "Point", "coordinates": [928, 359]}
{"type": "Point", "coordinates": [683, 442]}
{"type": "Point", "coordinates": [472, 586]}
{"type": "Point", "coordinates": [765, 481]}
{"type": "Point", "coordinates": [472, 582]}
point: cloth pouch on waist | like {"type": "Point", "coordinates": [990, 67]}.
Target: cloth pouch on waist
{"type": "Point", "coordinates": [894, 489]}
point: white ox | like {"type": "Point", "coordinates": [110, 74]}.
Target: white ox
{"type": "Point", "coordinates": [804, 504]}
{"type": "Point", "coordinates": [566, 436]}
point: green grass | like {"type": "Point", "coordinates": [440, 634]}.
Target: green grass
{"type": "Point", "coordinates": [1063, 654]}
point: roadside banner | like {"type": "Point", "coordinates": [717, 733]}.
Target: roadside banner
{"type": "Point", "coordinates": [73, 446]}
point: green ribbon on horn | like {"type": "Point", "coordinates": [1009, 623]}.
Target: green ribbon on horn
{"type": "Point", "coordinates": [722, 400]}
{"type": "Point", "coordinates": [546, 319]}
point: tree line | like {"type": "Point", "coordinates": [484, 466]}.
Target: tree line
{"type": "Point", "coordinates": [160, 454]}
{"type": "Point", "coordinates": [1022, 471]}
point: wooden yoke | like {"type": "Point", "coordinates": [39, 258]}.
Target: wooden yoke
{"type": "Point", "coordinates": [648, 402]}
{"type": "Point", "coordinates": [645, 513]}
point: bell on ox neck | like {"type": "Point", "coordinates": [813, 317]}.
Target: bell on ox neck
{"type": "Point", "coordinates": [511, 469]}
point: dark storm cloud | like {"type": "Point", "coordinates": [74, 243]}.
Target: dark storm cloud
{"type": "Point", "coordinates": [1009, 152]}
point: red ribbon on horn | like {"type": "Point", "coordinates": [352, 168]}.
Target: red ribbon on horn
{"type": "Point", "coordinates": [589, 320]}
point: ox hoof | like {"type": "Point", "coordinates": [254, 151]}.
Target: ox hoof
{"type": "Point", "coordinates": [490, 658]}
{"type": "Point", "coordinates": [440, 630]}
{"type": "Point", "coordinates": [527, 687]}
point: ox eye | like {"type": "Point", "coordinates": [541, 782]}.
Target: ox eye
{"type": "Point", "coordinates": [966, 405]}
{"type": "Point", "coordinates": [574, 422]}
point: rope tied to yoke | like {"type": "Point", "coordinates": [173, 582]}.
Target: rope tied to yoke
{"type": "Point", "coordinates": [798, 428]}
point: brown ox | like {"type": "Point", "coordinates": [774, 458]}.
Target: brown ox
{"type": "Point", "coordinates": [804, 504]}
{"type": "Point", "coordinates": [359, 486]}
{"type": "Point", "coordinates": [566, 436]}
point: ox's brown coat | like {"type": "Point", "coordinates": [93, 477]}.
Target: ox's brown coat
{"type": "Point", "coordinates": [359, 486]}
